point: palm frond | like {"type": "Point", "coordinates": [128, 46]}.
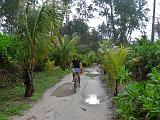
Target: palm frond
{"type": "Point", "coordinates": [36, 27]}
{"type": "Point", "coordinates": [113, 60]}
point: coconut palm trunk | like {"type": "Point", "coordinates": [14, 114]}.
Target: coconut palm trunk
{"type": "Point", "coordinates": [29, 74]}
{"type": "Point", "coordinates": [28, 83]}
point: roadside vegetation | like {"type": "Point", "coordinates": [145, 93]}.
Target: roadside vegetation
{"type": "Point", "coordinates": [12, 99]}
{"type": "Point", "coordinates": [133, 73]}
{"type": "Point", "coordinates": [140, 98]}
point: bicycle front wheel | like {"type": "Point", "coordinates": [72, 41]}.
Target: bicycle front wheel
{"type": "Point", "coordinates": [75, 86]}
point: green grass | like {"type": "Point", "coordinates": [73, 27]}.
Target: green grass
{"type": "Point", "coordinates": [12, 101]}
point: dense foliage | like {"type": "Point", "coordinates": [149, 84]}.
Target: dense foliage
{"type": "Point", "coordinates": [81, 29]}
{"type": "Point", "coordinates": [113, 59]}
{"type": "Point", "coordinates": [123, 17]}
{"type": "Point", "coordinates": [6, 43]}
{"type": "Point", "coordinates": [88, 58]}
{"type": "Point", "coordinates": [140, 101]}
{"type": "Point", "coordinates": [143, 56]}
{"type": "Point", "coordinates": [10, 70]}
{"type": "Point", "coordinates": [63, 52]}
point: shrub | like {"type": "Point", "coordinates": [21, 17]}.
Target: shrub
{"type": "Point", "coordinates": [140, 101]}
{"type": "Point", "coordinates": [49, 65]}
{"type": "Point", "coordinates": [143, 56]}
{"type": "Point", "coordinates": [10, 70]}
{"type": "Point", "coordinates": [113, 59]}
{"type": "Point", "coordinates": [6, 43]}
{"type": "Point", "coordinates": [64, 51]}
{"type": "Point", "coordinates": [123, 75]}
{"type": "Point", "coordinates": [88, 58]}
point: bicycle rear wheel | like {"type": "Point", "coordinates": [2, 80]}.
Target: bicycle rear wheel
{"type": "Point", "coordinates": [75, 83]}
{"type": "Point", "coordinates": [75, 86]}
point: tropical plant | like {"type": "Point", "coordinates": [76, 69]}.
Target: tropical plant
{"type": "Point", "coordinates": [35, 25]}
{"type": "Point", "coordinates": [79, 27]}
{"type": "Point", "coordinates": [140, 101]}
{"type": "Point", "coordinates": [143, 56]}
{"type": "Point", "coordinates": [10, 70]}
{"type": "Point", "coordinates": [104, 46]}
{"type": "Point", "coordinates": [49, 65]}
{"type": "Point", "coordinates": [113, 60]}
{"type": "Point", "coordinates": [123, 75]}
{"type": "Point", "coordinates": [88, 58]}
{"type": "Point", "coordinates": [64, 50]}
{"type": "Point", "coordinates": [6, 43]}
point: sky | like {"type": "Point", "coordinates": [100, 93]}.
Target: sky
{"type": "Point", "coordinates": [97, 20]}
{"type": "Point", "coordinates": [150, 5]}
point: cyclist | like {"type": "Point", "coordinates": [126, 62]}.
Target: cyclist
{"type": "Point", "coordinates": [76, 66]}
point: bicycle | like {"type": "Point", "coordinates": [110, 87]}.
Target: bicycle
{"type": "Point", "coordinates": [75, 80]}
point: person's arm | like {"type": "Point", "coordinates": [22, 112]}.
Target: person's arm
{"type": "Point", "coordinates": [71, 65]}
{"type": "Point", "coordinates": [81, 67]}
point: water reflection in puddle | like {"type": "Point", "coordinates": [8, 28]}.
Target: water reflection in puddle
{"type": "Point", "coordinates": [92, 99]}
{"type": "Point", "coordinates": [95, 73]}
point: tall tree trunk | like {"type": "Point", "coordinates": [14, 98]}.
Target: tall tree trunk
{"type": "Point", "coordinates": [112, 23]}
{"type": "Point", "coordinates": [29, 74]}
{"type": "Point", "coordinates": [153, 21]}
{"type": "Point", "coordinates": [28, 83]}
{"type": "Point", "coordinates": [67, 14]}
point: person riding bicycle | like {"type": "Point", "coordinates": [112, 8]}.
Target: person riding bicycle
{"type": "Point", "coordinates": [76, 66]}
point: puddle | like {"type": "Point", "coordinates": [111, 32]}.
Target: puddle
{"type": "Point", "coordinates": [93, 73]}
{"type": "Point", "coordinates": [92, 100]}
{"type": "Point", "coordinates": [64, 90]}
{"type": "Point", "coordinates": [93, 92]}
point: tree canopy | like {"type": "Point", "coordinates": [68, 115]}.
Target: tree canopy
{"type": "Point", "coordinates": [123, 16]}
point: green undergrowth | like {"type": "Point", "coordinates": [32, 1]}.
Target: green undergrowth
{"type": "Point", "coordinates": [12, 101]}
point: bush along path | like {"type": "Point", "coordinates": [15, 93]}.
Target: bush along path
{"type": "Point", "coordinates": [12, 101]}
{"type": "Point", "coordinates": [90, 102]}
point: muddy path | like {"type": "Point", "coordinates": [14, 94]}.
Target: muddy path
{"type": "Point", "coordinates": [60, 103]}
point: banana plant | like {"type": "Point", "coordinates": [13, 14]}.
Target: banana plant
{"type": "Point", "coordinates": [34, 25]}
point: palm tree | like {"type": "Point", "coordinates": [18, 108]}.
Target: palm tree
{"type": "Point", "coordinates": [35, 24]}
{"type": "Point", "coordinates": [64, 49]}
{"type": "Point", "coordinates": [113, 60]}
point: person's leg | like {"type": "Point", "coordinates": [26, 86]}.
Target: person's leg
{"type": "Point", "coordinates": [79, 78]}
{"type": "Point", "coordinates": [72, 76]}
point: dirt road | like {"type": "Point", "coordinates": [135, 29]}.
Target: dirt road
{"type": "Point", "coordinates": [60, 103]}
